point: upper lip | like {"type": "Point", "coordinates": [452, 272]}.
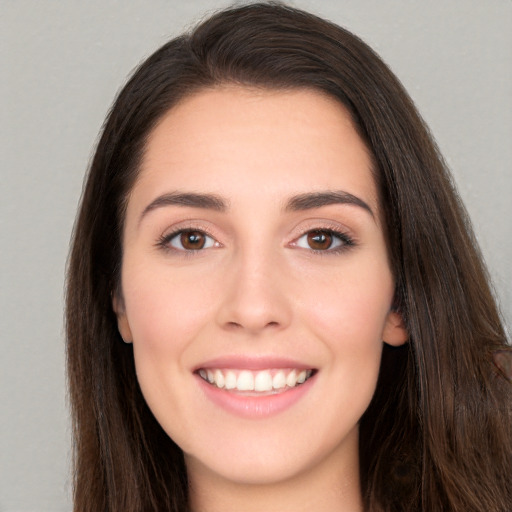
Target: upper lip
{"type": "Point", "coordinates": [252, 363]}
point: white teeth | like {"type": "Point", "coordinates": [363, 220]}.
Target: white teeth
{"type": "Point", "coordinates": [230, 381]}
{"type": "Point", "coordinates": [263, 381]}
{"type": "Point", "coordinates": [245, 381]}
{"type": "Point", "coordinates": [279, 380]}
{"type": "Point", "coordinates": [258, 381]}
{"type": "Point", "coordinates": [219, 378]}
{"type": "Point", "coordinates": [291, 379]}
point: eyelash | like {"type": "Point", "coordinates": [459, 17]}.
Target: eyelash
{"type": "Point", "coordinates": [346, 241]}
{"type": "Point", "coordinates": [165, 240]}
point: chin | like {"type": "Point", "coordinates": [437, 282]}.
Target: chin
{"type": "Point", "coordinates": [270, 459]}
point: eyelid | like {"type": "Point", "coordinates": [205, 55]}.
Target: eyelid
{"type": "Point", "coordinates": [337, 229]}
{"type": "Point", "coordinates": [163, 241]}
{"type": "Point", "coordinates": [319, 224]}
{"type": "Point", "coordinates": [339, 240]}
{"type": "Point", "coordinates": [210, 241]}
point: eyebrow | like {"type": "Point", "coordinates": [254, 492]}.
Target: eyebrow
{"type": "Point", "coordinates": [313, 200]}
{"type": "Point", "coordinates": [301, 202]}
{"type": "Point", "coordinates": [192, 199]}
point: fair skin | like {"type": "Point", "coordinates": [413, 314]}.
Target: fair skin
{"type": "Point", "coordinates": [228, 269]}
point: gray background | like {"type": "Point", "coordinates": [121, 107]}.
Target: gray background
{"type": "Point", "coordinates": [61, 64]}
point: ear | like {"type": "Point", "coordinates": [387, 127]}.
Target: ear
{"type": "Point", "coordinates": [122, 320]}
{"type": "Point", "coordinates": [394, 332]}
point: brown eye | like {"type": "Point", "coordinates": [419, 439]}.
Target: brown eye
{"type": "Point", "coordinates": [324, 240]}
{"type": "Point", "coordinates": [320, 240]}
{"type": "Point", "coordinates": [188, 240]}
{"type": "Point", "coordinates": [192, 240]}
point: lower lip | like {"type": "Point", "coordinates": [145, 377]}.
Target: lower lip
{"type": "Point", "coordinates": [255, 406]}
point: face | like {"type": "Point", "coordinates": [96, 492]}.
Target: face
{"type": "Point", "coordinates": [256, 286]}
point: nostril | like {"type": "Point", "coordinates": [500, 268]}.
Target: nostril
{"type": "Point", "coordinates": [236, 325]}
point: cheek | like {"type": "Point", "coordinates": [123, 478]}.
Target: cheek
{"type": "Point", "coordinates": [348, 312]}
{"type": "Point", "coordinates": [164, 310]}
{"type": "Point", "coordinates": [165, 314]}
{"type": "Point", "coordinates": [351, 305]}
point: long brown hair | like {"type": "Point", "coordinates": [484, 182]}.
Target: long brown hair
{"type": "Point", "coordinates": [437, 435]}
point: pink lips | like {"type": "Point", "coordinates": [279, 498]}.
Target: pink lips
{"type": "Point", "coordinates": [253, 363]}
{"type": "Point", "coordinates": [253, 405]}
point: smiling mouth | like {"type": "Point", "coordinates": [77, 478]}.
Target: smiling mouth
{"type": "Point", "coordinates": [261, 381]}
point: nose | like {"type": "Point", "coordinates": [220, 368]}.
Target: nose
{"type": "Point", "coordinates": [256, 296]}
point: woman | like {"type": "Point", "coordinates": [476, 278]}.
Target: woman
{"type": "Point", "coordinates": [275, 300]}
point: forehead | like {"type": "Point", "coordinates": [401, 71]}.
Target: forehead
{"type": "Point", "coordinates": [266, 140]}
